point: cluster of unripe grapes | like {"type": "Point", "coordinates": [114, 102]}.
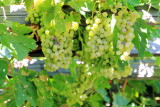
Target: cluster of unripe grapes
{"type": "Point", "coordinates": [56, 47]}
{"type": "Point", "coordinates": [35, 16]}
{"type": "Point", "coordinates": [99, 42]}
{"type": "Point", "coordinates": [98, 35]}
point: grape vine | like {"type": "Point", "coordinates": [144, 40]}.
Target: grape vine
{"type": "Point", "coordinates": [91, 38]}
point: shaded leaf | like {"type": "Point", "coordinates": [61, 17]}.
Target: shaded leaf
{"type": "Point", "coordinates": [141, 36]}
{"type": "Point", "coordinates": [96, 100]}
{"type": "Point", "coordinates": [3, 71]}
{"type": "Point", "coordinates": [138, 85]}
{"type": "Point", "coordinates": [119, 101]}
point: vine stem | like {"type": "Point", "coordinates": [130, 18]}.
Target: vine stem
{"type": "Point", "coordinates": [124, 85]}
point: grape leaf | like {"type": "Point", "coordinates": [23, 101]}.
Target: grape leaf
{"type": "Point", "coordinates": [60, 25]}
{"type": "Point", "coordinates": [3, 71]}
{"type": "Point", "coordinates": [115, 38]}
{"type": "Point", "coordinates": [45, 5]}
{"type": "Point", "coordinates": [43, 90]}
{"type": "Point", "coordinates": [19, 45]}
{"type": "Point", "coordinates": [119, 101]}
{"type": "Point", "coordinates": [82, 6]}
{"type": "Point", "coordinates": [140, 85]}
{"type": "Point", "coordinates": [25, 89]}
{"type": "Point", "coordinates": [96, 100]}
{"type": "Point", "coordinates": [29, 4]}
{"type": "Point", "coordinates": [102, 82]}
{"type": "Point", "coordinates": [76, 17]}
{"type": "Point", "coordinates": [49, 15]}
{"type": "Point", "coordinates": [103, 94]}
{"type": "Point", "coordinates": [100, 85]}
{"type": "Point", "coordinates": [130, 92]}
{"type": "Point", "coordinates": [133, 3]}
{"type": "Point", "coordinates": [141, 37]}
{"type": "Point", "coordinates": [2, 28]}
{"type": "Point", "coordinates": [17, 27]}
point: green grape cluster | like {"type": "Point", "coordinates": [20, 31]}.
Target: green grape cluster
{"type": "Point", "coordinates": [125, 20]}
{"type": "Point", "coordinates": [35, 16]}
{"type": "Point", "coordinates": [56, 47]}
{"type": "Point", "coordinates": [99, 41]}
{"type": "Point", "coordinates": [98, 35]}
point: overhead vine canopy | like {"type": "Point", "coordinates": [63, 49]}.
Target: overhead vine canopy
{"type": "Point", "coordinates": [91, 38]}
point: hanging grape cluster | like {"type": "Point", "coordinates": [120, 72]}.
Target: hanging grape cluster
{"type": "Point", "coordinates": [99, 46]}
{"type": "Point", "coordinates": [56, 47]}
{"type": "Point", "coordinates": [35, 16]}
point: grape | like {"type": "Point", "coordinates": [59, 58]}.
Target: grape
{"type": "Point", "coordinates": [57, 48]}
{"type": "Point", "coordinates": [34, 16]}
{"type": "Point", "coordinates": [99, 41]}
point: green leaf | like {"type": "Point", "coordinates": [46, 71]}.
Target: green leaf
{"type": "Point", "coordinates": [115, 38]}
{"type": "Point", "coordinates": [49, 14]}
{"type": "Point", "coordinates": [101, 82]}
{"type": "Point", "coordinates": [45, 96]}
{"type": "Point", "coordinates": [82, 6]}
{"type": "Point", "coordinates": [45, 5]}
{"type": "Point", "coordinates": [19, 45]}
{"type": "Point", "coordinates": [103, 94]}
{"type": "Point", "coordinates": [131, 92]}
{"type": "Point", "coordinates": [76, 17]}
{"type": "Point", "coordinates": [17, 27]}
{"type": "Point", "coordinates": [3, 28]}
{"type": "Point", "coordinates": [25, 88]}
{"type": "Point", "coordinates": [119, 101]}
{"type": "Point", "coordinates": [140, 85]}
{"type": "Point", "coordinates": [65, 81]}
{"type": "Point", "coordinates": [11, 103]}
{"type": "Point", "coordinates": [3, 71]}
{"type": "Point", "coordinates": [20, 95]}
{"type": "Point", "coordinates": [133, 3]}
{"type": "Point", "coordinates": [29, 4]}
{"type": "Point", "coordinates": [96, 100]}
{"type": "Point", "coordinates": [100, 86]}
{"type": "Point", "coordinates": [60, 25]}
{"type": "Point", "coordinates": [141, 36]}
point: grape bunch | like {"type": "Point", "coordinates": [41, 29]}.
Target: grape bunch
{"type": "Point", "coordinates": [98, 35]}
{"type": "Point", "coordinates": [35, 16]}
{"type": "Point", "coordinates": [125, 20]}
{"type": "Point", "coordinates": [99, 41]}
{"type": "Point", "coordinates": [56, 47]}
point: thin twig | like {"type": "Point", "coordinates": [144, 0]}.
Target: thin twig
{"type": "Point", "coordinates": [124, 85]}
